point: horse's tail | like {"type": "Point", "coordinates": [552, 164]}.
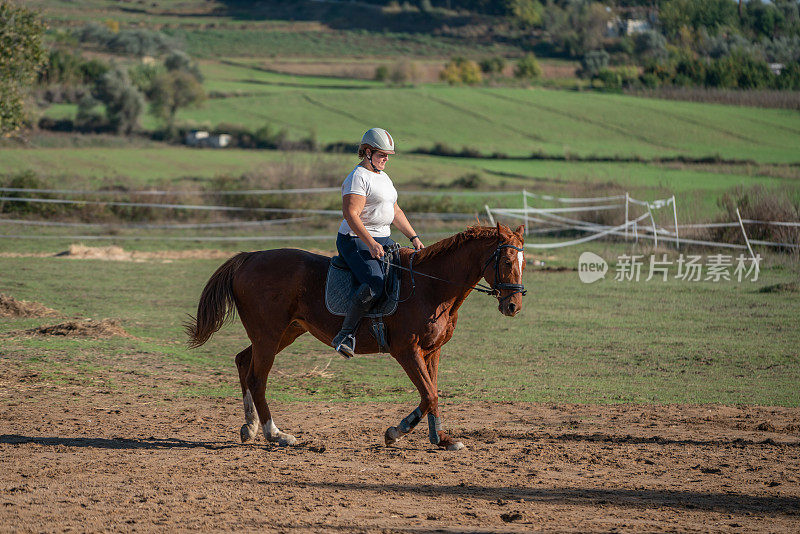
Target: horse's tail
{"type": "Point", "coordinates": [217, 303]}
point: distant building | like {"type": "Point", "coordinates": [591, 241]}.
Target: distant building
{"type": "Point", "coordinates": [219, 141]}
{"type": "Point", "coordinates": [776, 68]}
{"type": "Point", "coordinates": [617, 27]}
{"type": "Point", "coordinates": [634, 26]}
{"type": "Point", "coordinates": [201, 138]}
{"type": "Point", "coordinates": [195, 137]}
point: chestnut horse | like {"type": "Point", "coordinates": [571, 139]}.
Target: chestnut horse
{"type": "Point", "coordinates": [280, 295]}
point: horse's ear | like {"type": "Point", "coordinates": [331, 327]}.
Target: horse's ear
{"type": "Point", "coordinates": [520, 230]}
{"type": "Point", "coordinates": [502, 231]}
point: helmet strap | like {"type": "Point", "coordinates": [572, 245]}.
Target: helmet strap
{"type": "Point", "coordinates": [371, 154]}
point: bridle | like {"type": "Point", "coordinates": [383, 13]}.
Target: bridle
{"type": "Point", "coordinates": [496, 287]}
{"type": "Point", "coordinates": [493, 290]}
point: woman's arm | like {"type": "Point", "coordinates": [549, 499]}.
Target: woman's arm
{"type": "Point", "coordinates": [352, 206]}
{"type": "Point", "coordinates": [402, 224]}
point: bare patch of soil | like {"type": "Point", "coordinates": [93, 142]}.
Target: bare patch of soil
{"type": "Point", "coordinates": [116, 253]}
{"type": "Point", "coordinates": [88, 328]}
{"type": "Point", "coordinates": [86, 456]}
{"type": "Point", "coordinates": [11, 307]}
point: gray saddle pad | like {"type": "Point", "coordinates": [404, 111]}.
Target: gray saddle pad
{"type": "Point", "coordinates": [341, 284]}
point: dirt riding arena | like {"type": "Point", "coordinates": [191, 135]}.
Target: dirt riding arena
{"type": "Point", "coordinates": [77, 458]}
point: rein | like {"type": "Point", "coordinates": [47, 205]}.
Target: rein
{"type": "Point", "coordinates": [493, 290]}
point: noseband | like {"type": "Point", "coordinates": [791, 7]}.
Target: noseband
{"type": "Point", "coordinates": [497, 286]}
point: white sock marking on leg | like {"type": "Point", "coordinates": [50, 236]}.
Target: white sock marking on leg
{"type": "Point", "coordinates": [250, 413]}
{"type": "Point", "coordinates": [274, 434]}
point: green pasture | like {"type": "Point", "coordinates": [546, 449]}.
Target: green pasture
{"type": "Point", "coordinates": [518, 121]}
{"type": "Point", "coordinates": [513, 121]}
{"type": "Point", "coordinates": [609, 342]}
{"type": "Point", "coordinates": [696, 188]}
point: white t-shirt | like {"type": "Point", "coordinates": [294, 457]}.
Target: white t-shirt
{"type": "Point", "coordinates": [381, 195]}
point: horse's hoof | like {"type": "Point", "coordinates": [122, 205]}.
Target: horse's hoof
{"type": "Point", "coordinates": [392, 435]}
{"type": "Point", "coordinates": [283, 439]}
{"type": "Point", "coordinates": [248, 433]}
{"type": "Point", "coordinates": [455, 446]}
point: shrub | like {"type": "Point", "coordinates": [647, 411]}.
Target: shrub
{"type": "Point", "coordinates": [459, 70]}
{"type": "Point", "coordinates": [404, 72]}
{"type": "Point", "coordinates": [382, 73]}
{"type": "Point", "coordinates": [760, 204]}
{"type": "Point", "coordinates": [593, 62]}
{"type": "Point", "coordinates": [468, 181]}
{"type": "Point", "coordinates": [789, 78]}
{"type": "Point", "coordinates": [135, 42]}
{"type": "Point", "coordinates": [89, 118]}
{"type": "Point", "coordinates": [527, 68]}
{"type": "Point", "coordinates": [493, 66]}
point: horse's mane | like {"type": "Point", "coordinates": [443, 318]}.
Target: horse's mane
{"type": "Point", "coordinates": [455, 241]}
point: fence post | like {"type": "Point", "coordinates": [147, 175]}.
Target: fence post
{"type": "Point", "coordinates": [525, 205]}
{"type": "Point", "coordinates": [675, 216]}
{"type": "Point", "coordinates": [627, 196]}
{"type": "Point", "coordinates": [747, 241]}
{"type": "Point", "coordinates": [652, 220]}
{"type": "Point", "coordinates": [489, 213]}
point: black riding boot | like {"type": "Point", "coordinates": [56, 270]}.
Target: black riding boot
{"type": "Point", "coordinates": [345, 340]}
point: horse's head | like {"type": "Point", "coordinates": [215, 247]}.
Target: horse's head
{"type": "Point", "coordinates": [503, 270]}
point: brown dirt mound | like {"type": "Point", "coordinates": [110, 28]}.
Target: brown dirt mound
{"type": "Point", "coordinates": [87, 329]}
{"type": "Point", "coordinates": [11, 307]}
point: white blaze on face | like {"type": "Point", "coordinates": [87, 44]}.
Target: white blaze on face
{"type": "Point", "coordinates": [520, 260]}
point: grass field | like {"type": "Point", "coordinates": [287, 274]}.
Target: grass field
{"type": "Point", "coordinates": [651, 342]}
{"type": "Point", "coordinates": [514, 121]}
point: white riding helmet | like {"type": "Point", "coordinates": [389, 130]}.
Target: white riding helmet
{"type": "Point", "coordinates": [380, 139]}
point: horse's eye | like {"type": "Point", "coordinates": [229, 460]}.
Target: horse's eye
{"type": "Point", "coordinates": [507, 261]}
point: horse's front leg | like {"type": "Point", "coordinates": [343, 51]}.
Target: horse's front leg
{"type": "Point", "coordinates": [436, 435]}
{"type": "Point", "coordinates": [417, 370]}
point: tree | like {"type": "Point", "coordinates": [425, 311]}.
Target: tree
{"type": "Point", "coordinates": [709, 14]}
{"type": "Point", "coordinates": [123, 101]}
{"type": "Point", "coordinates": [650, 45]}
{"type": "Point", "coordinates": [578, 27]}
{"type": "Point", "coordinates": [172, 91]}
{"type": "Point", "coordinates": [179, 60]}
{"type": "Point", "coordinates": [525, 13]}
{"type": "Point", "coordinates": [21, 56]}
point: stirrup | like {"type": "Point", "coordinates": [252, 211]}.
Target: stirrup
{"type": "Point", "coordinates": [347, 346]}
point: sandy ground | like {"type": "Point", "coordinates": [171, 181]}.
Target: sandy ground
{"type": "Point", "coordinates": [81, 458]}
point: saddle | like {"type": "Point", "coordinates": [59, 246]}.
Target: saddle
{"type": "Point", "coordinates": [341, 284]}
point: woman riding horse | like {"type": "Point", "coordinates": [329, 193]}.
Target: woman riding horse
{"type": "Point", "coordinates": [369, 206]}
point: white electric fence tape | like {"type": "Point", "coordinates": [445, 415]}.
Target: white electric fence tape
{"type": "Point", "coordinates": [337, 213]}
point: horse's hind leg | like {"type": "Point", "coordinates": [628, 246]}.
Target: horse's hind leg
{"type": "Point", "coordinates": [249, 429]}
{"type": "Point", "coordinates": [254, 385]}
